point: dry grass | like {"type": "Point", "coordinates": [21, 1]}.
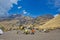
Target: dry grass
{"type": "Point", "coordinates": [52, 24]}
{"type": "Point", "coordinates": [8, 24]}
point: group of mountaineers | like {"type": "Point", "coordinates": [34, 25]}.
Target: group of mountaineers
{"type": "Point", "coordinates": [27, 30]}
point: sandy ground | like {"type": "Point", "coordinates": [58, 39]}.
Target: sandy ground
{"type": "Point", "coordinates": [12, 35]}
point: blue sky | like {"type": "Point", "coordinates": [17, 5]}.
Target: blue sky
{"type": "Point", "coordinates": [34, 7]}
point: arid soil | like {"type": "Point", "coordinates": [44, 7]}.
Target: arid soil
{"type": "Point", "coordinates": [12, 35]}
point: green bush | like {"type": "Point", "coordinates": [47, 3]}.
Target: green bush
{"type": "Point", "coordinates": [1, 27]}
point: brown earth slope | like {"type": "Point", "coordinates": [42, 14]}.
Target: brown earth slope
{"type": "Point", "coordinates": [53, 23]}
{"type": "Point", "coordinates": [9, 24]}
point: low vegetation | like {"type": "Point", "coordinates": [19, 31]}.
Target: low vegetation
{"type": "Point", "coordinates": [1, 27]}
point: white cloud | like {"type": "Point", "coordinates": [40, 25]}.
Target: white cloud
{"type": "Point", "coordinates": [56, 15]}
{"type": "Point", "coordinates": [14, 1]}
{"type": "Point", "coordinates": [19, 7]}
{"type": "Point", "coordinates": [24, 12]}
{"type": "Point", "coordinates": [5, 5]}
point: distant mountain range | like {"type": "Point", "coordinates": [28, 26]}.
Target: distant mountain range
{"type": "Point", "coordinates": [19, 19]}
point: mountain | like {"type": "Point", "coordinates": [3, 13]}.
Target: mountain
{"type": "Point", "coordinates": [41, 20]}
{"type": "Point", "coordinates": [53, 23]}
{"type": "Point", "coordinates": [15, 20]}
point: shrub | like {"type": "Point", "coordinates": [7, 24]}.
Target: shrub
{"type": "Point", "coordinates": [1, 27]}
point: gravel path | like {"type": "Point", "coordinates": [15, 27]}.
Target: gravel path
{"type": "Point", "coordinates": [12, 35]}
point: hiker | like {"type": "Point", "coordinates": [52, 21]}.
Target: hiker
{"type": "Point", "coordinates": [32, 31]}
{"type": "Point", "coordinates": [21, 28]}
{"type": "Point", "coordinates": [26, 31]}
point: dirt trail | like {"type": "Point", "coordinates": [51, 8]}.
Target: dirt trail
{"type": "Point", "coordinates": [12, 35]}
